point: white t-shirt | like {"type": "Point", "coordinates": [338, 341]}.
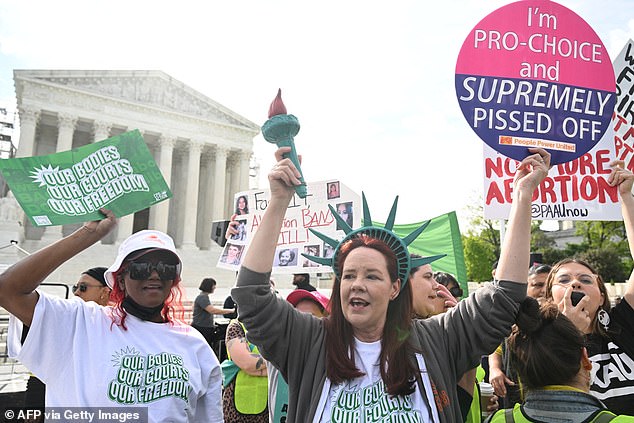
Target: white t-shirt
{"type": "Point", "coordinates": [277, 412]}
{"type": "Point", "coordinates": [365, 400]}
{"type": "Point", "coordinates": [87, 361]}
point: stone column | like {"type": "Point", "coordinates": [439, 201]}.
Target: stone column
{"type": "Point", "coordinates": [161, 210]}
{"type": "Point", "coordinates": [101, 130]}
{"type": "Point", "coordinates": [29, 118]}
{"type": "Point", "coordinates": [219, 182]}
{"type": "Point", "coordinates": [233, 185]}
{"type": "Point", "coordinates": [66, 125]}
{"type": "Point", "coordinates": [245, 156]}
{"type": "Point", "coordinates": [126, 223]}
{"type": "Point", "coordinates": [11, 227]}
{"type": "Point", "coordinates": [191, 196]}
{"type": "Point", "coordinates": [206, 209]}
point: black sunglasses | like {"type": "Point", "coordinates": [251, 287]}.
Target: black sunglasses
{"type": "Point", "coordinates": [142, 270]}
{"type": "Point", "coordinates": [443, 279]}
{"type": "Point", "coordinates": [456, 291]}
{"type": "Point", "coordinates": [83, 287]}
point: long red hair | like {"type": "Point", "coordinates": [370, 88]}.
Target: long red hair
{"type": "Point", "coordinates": [396, 351]}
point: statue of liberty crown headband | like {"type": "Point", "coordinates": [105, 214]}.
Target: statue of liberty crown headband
{"type": "Point", "coordinates": [385, 234]}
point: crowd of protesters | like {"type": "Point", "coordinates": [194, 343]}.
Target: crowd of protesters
{"type": "Point", "coordinates": [393, 340]}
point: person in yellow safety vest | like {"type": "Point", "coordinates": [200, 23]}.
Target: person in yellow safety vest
{"type": "Point", "coordinates": [548, 352]}
{"type": "Point", "coordinates": [244, 398]}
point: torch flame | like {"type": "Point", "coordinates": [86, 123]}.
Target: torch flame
{"type": "Point", "coordinates": [277, 106]}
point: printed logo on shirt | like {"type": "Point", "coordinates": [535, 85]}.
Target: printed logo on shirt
{"type": "Point", "coordinates": [372, 404]}
{"type": "Point", "coordinates": [612, 373]}
{"type": "Point", "coordinates": [145, 378]}
{"type": "Point", "coordinates": [441, 399]}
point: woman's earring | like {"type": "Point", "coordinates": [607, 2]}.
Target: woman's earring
{"type": "Point", "coordinates": [604, 318]}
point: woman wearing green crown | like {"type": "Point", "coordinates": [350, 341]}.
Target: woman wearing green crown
{"type": "Point", "coordinates": [369, 361]}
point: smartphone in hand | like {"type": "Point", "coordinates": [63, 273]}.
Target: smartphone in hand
{"type": "Point", "coordinates": [576, 296]}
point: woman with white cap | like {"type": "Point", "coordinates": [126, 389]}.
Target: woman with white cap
{"type": "Point", "coordinates": [133, 354]}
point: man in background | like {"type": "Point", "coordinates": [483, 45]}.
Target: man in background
{"type": "Point", "coordinates": [302, 281]}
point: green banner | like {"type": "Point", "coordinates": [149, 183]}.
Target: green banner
{"type": "Point", "coordinates": [119, 174]}
{"type": "Point", "coordinates": [442, 236]}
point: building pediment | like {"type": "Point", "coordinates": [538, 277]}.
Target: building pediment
{"type": "Point", "coordinates": [154, 88]}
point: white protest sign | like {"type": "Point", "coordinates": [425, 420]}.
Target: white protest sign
{"type": "Point", "coordinates": [295, 237]}
{"type": "Point", "coordinates": [575, 190]}
{"type": "Point", "coordinates": [623, 118]}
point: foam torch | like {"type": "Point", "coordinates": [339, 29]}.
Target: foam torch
{"type": "Point", "coordinates": [281, 129]}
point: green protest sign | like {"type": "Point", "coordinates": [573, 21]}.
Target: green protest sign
{"type": "Point", "coordinates": [119, 174]}
{"type": "Point", "coordinates": [442, 236]}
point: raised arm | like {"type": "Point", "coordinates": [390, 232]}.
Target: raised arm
{"type": "Point", "coordinates": [18, 282]}
{"type": "Point", "coordinates": [215, 310]}
{"type": "Point", "coordinates": [624, 179]}
{"type": "Point", "coordinates": [282, 178]}
{"type": "Point", "coordinates": [515, 250]}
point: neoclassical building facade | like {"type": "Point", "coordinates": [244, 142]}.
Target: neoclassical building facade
{"type": "Point", "coordinates": [202, 148]}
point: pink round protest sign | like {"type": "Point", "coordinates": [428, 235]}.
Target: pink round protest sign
{"type": "Point", "coordinates": [534, 74]}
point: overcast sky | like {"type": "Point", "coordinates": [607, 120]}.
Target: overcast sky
{"type": "Point", "coordinates": [372, 83]}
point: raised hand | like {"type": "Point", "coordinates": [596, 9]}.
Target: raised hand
{"type": "Point", "coordinates": [284, 176]}
{"type": "Point", "coordinates": [624, 179]}
{"type": "Point", "coordinates": [532, 170]}
{"type": "Point", "coordinates": [282, 180]}
{"type": "Point", "coordinates": [101, 228]}
{"type": "Point", "coordinates": [577, 314]}
{"type": "Point", "coordinates": [449, 300]}
{"type": "Point", "coordinates": [621, 177]}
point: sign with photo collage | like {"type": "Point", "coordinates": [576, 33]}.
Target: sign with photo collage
{"type": "Point", "coordinates": [295, 236]}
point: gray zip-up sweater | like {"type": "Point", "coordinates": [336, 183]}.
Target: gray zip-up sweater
{"type": "Point", "coordinates": [451, 343]}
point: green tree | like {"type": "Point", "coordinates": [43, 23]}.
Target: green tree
{"type": "Point", "coordinates": [607, 262]}
{"type": "Point", "coordinates": [487, 229]}
{"type": "Point", "coordinates": [601, 234]}
{"type": "Point", "coordinates": [479, 256]}
{"type": "Point", "coordinates": [540, 240]}
{"type": "Point", "coordinates": [481, 244]}
{"type": "Point", "coordinates": [603, 245]}
{"type": "Point", "coordinates": [552, 254]}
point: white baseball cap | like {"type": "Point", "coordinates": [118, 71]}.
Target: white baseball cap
{"type": "Point", "coordinates": [143, 240]}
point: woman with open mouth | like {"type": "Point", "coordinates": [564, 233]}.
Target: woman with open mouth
{"type": "Point", "coordinates": [369, 361]}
